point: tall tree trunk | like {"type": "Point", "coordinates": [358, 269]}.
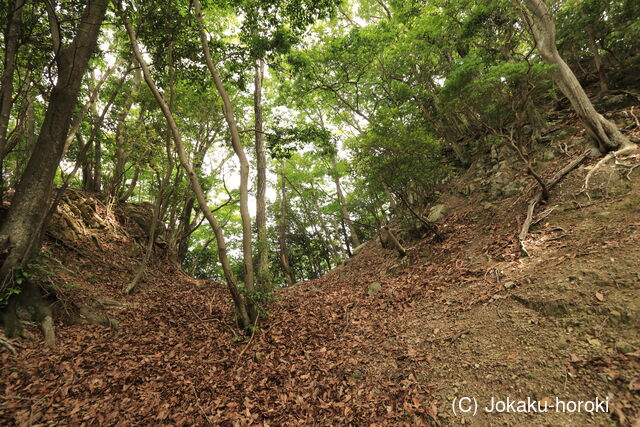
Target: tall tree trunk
{"type": "Point", "coordinates": [227, 109]}
{"type": "Point", "coordinates": [155, 219]}
{"type": "Point", "coordinates": [91, 169]}
{"type": "Point", "coordinates": [243, 307]}
{"type": "Point", "coordinates": [185, 229]}
{"type": "Point", "coordinates": [597, 59]}
{"type": "Point", "coordinates": [134, 182]}
{"type": "Point", "coordinates": [262, 277]}
{"type": "Point", "coordinates": [392, 200]}
{"type": "Point", "coordinates": [22, 227]}
{"type": "Point", "coordinates": [121, 155]}
{"type": "Point", "coordinates": [343, 205]}
{"type": "Point", "coordinates": [6, 84]}
{"type": "Point", "coordinates": [605, 133]}
{"type": "Point", "coordinates": [282, 227]}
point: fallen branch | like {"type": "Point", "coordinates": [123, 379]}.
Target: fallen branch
{"type": "Point", "coordinates": [539, 196]}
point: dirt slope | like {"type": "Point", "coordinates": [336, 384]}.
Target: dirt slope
{"type": "Point", "coordinates": [463, 317]}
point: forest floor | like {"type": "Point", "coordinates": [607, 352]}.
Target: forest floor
{"type": "Point", "coordinates": [465, 317]}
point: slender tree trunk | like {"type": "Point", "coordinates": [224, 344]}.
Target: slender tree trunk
{"type": "Point", "coordinates": [343, 205]}
{"type": "Point", "coordinates": [262, 276]}
{"type": "Point", "coordinates": [121, 155]}
{"type": "Point", "coordinates": [185, 229]}
{"type": "Point", "coordinates": [77, 120]}
{"type": "Point", "coordinates": [243, 306]}
{"type": "Point", "coordinates": [6, 83]}
{"type": "Point", "coordinates": [155, 219]}
{"type": "Point", "coordinates": [390, 198]}
{"type": "Point", "coordinates": [282, 227]}
{"type": "Point", "coordinates": [597, 59]}
{"type": "Point", "coordinates": [605, 133]}
{"type": "Point", "coordinates": [22, 227]}
{"type": "Point", "coordinates": [92, 170]}
{"type": "Point", "coordinates": [134, 182]}
{"type": "Point", "coordinates": [227, 109]}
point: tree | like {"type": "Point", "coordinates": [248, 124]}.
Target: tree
{"type": "Point", "coordinates": [20, 233]}
{"type": "Point", "coordinates": [6, 82]}
{"type": "Point", "coordinates": [244, 307]}
{"type": "Point", "coordinates": [604, 133]}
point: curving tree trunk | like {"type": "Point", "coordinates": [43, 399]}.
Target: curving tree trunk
{"type": "Point", "coordinates": [229, 115]}
{"type": "Point", "coordinates": [121, 155]}
{"type": "Point", "coordinates": [243, 306]}
{"type": "Point", "coordinates": [540, 21]}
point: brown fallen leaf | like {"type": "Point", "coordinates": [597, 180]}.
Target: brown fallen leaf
{"type": "Point", "coordinates": [599, 296]}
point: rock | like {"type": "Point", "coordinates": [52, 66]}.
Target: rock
{"type": "Point", "coordinates": [624, 347]}
{"type": "Point", "coordinates": [374, 288]}
{"type": "Point", "coordinates": [615, 102]}
{"type": "Point", "coordinates": [142, 214]}
{"type": "Point", "coordinates": [356, 376]}
{"type": "Point", "coordinates": [512, 189]}
{"type": "Point", "coordinates": [437, 213]}
{"type": "Point", "coordinates": [594, 342]}
{"type": "Point", "coordinates": [509, 285]}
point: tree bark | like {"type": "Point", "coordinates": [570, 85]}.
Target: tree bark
{"type": "Point", "coordinates": [227, 109]}
{"type": "Point", "coordinates": [262, 277]}
{"type": "Point", "coordinates": [121, 155]}
{"type": "Point", "coordinates": [282, 227]}
{"type": "Point", "coordinates": [6, 84]}
{"type": "Point", "coordinates": [597, 58]}
{"type": "Point", "coordinates": [26, 217]}
{"type": "Point", "coordinates": [343, 205]}
{"type": "Point", "coordinates": [243, 307]}
{"type": "Point", "coordinates": [134, 182]}
{"type": "Point", "coordinates": [155, 219]}
{"type": "Point", "coordinates": [389, 239]}
{"type": "Point", "coordinates": [605, 133]}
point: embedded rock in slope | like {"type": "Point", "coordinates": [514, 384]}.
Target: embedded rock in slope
{"type": "Point", "coordinates": [437, 213]}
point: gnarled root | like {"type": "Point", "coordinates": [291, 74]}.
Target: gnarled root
{"type": "Point", "coordinates": [627, 149]}
{"type": "Point", "coordinates": [537, 198]}
{"type": "Point", "coordinates": [11, 346]}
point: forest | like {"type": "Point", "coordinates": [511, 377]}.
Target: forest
{"type": "Point", "coordinates": [330, 212]}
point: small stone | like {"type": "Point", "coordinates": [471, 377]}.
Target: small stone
{"type": "Point", "coordinates": [624, 347]}
{"type": "Point", "coordinates": [509, 285]}
{"type": "Point", "coordinates": [374, 288]}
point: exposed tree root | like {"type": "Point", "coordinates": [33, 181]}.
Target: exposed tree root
{"type": "Point", "coordinates": [10, 345]}
{"type": "Point", "coordinates": [614, 154]}
{"type": "Point", "coordinates": [388, 239]}
{"type": "Point", "coordinates": [539, 197]}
